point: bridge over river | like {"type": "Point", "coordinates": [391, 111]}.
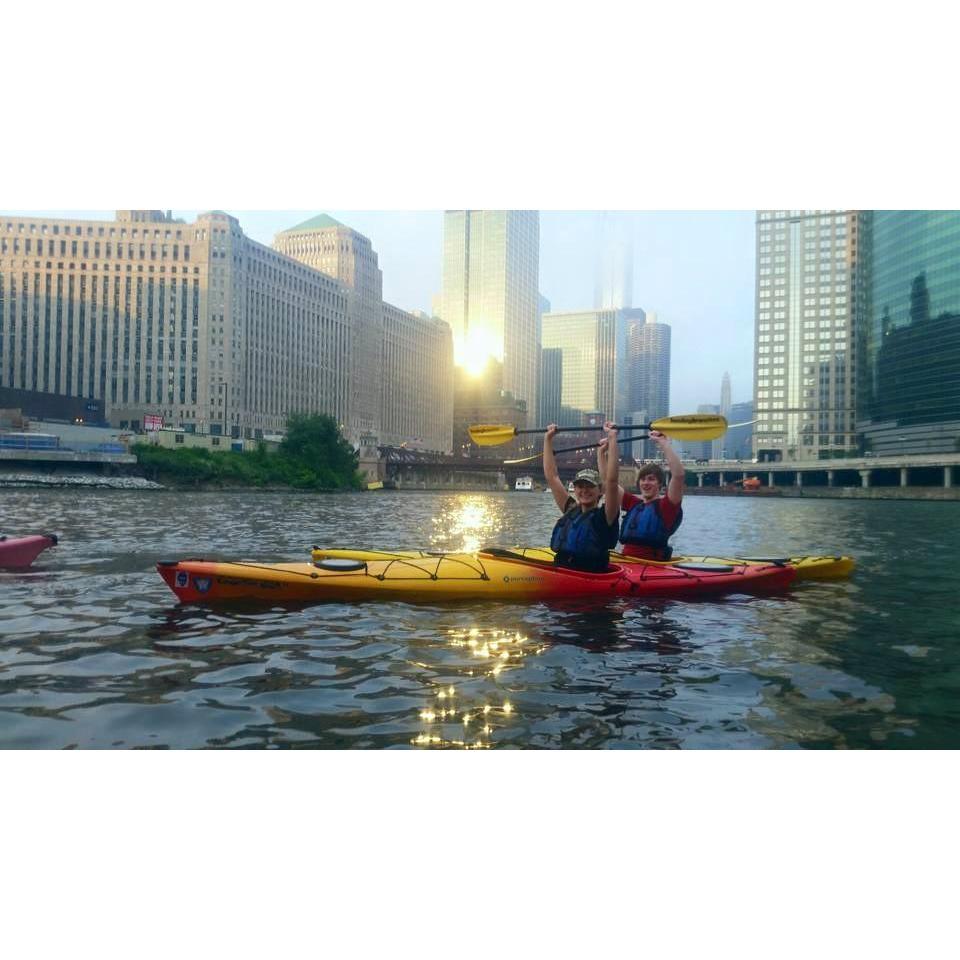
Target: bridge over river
{"type": "Point", "coordinates": [922, 475]}
{"type": "Point", "coordinates": [904, 470]}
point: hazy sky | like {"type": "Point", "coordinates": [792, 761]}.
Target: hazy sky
{"type": "Point", "coordinates": [694, 269]}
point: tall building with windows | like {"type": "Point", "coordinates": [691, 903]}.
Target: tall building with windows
{"type": "Point", "coordinates": [346, 255]}
{"type": "Point", "coordinates": [649, 374]}
{"type": "Point", "coordinates": [908, 332]}
{"type": "Point", "coordinates": [592, 362]}
{"type": "Point", "coordinates": [490, 294]}
{"type": "Point", "coordinates": [738, 440]}
{"type": "Point", "coordinates": [194, 322]}
{"type": "Point", "coordinates": [804, 382]}
{"type": "Point", "coordinates": [551, 386]}
{"type": "Point", "coordinates": [416, 382]}
{"type": "Point", "coordinates": [401, 363]}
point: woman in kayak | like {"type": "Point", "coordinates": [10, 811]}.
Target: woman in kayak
{"type": "Point", "coordinates": [587, 530]}
{"type": "Point", "coordinates": [650, 519]}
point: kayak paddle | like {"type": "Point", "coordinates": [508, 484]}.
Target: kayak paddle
{"type": "Point", "coordinates": [688, 426]}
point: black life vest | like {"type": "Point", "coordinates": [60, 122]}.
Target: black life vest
{"type": "Point", "coordinates": [578, 541]}
{"type": "Point", "coordinates": [643, 526]}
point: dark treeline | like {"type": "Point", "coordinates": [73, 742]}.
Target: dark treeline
{"type": "Point", "coordinates": [312, 456]}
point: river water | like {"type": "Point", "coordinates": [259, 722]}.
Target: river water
{"type": "Point", "coordinates": [96, 652]}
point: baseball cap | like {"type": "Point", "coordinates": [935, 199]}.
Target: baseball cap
{"type": "Point", "coordinates": [588, 476]}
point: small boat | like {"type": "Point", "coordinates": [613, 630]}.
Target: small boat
{"type": "Point", "coordinates": [492, 574]}
{"type": "Point", "coordinates": [523, 484]}
{"type": "Point", "coordinates": [19, 552]}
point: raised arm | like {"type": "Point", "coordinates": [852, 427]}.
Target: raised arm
{"type": "Point", "coordinates": [602, 465]}
{"type": "Point", "coordinates": [675, 487]}
{"type": "Point", "coordinates": [611, 479]}
{"type": "Point", "coordinates": [550, 473]}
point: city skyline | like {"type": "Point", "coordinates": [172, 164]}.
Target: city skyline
{"type": "Point", "coordinates": [694, 269]}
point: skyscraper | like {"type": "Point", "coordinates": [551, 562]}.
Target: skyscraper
{"type": "Point", "coordinates": [207, 329]}
{"type": "Point", "coordinates": [416, 381]}
{"type": "Point", "coordinates": [908, 325]}
{"type": "Point", "coordinates": [720, 444]}
{"type": "Point", "coordinates": [192, 322]}
{"type": "Point", "coordinates": [490, 294]}
{"type": "Point", "coordinates": [340, 252]}
{"type": "Point", "coordinates": [738, 440]}
{"type": "Point", "coordinates": [551, 386]}
{"type": "Point", "coordinates": [803, 384]}
{"type": "Point", "coordinates": [649, 365]}
{"type": "Point", "coordinates": [613, 283]}
{"type": "Point", "coordinates": [725, 395]}
{"type": "Point", "coordinates": [592, 348]}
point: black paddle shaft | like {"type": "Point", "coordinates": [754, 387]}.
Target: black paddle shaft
{"type": "Point", "coordinates": [616, 426]}
{"type": "Point", "coordinates": [591, 446]}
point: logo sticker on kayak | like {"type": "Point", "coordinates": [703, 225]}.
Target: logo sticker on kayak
{"type": "Point", "coordinates": [202, 584]}
{"type": "Point", "coordinates": [523, 579]}
{"type": "Point", "coordinates": [181, 578]}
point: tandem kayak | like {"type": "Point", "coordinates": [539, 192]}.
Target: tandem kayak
{"type": "Point", "coordinates": [18, 552]}
{"type": "Point", "coordinates": [487, 575]}
{"type": "Point", "coordinates": [807, 567]}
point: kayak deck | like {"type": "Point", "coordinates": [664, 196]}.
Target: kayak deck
{"type": "Point", "coordinates": [807, 567]}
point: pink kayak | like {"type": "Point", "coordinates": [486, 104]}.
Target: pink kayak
{"type": "Point", "coordinates": [22, 551]}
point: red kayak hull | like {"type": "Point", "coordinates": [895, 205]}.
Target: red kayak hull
{"type": "Point", "coordinates": [19, 552]}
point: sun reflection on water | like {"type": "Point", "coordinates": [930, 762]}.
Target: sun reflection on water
{"type": "Point", "coordinates": [447, 720]}
{"type": "Point", "coordinates": [467, 524]}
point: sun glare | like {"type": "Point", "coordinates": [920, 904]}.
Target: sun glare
{"type": "Point", "coordinates": [473, 351]}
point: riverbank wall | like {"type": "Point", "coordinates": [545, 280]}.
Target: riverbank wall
{"type": "Point", "coordinates": [832, 493]}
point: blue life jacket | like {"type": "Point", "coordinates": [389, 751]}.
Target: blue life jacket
{"type": "Point", "coordinates": [643, 526]}
{"type": "Point", "coordinates": [581, 540]}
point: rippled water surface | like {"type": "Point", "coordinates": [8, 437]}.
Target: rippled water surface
{"type": "Point", "coordinates": [95, 651]}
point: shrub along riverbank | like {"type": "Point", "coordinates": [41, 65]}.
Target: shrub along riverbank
{"type": "Point", "coordinates": [312, 456]}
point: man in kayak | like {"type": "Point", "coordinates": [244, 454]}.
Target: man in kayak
{"type": "Point", "coordinates": [650, 519]}
{"type": "Point", "coordinates": [587, 530]}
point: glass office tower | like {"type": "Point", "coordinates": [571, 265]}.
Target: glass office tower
{"type": "Point", "coordinates": [593, 364]}
{"type": "Point", "coordinates": [490, 294]}
{"type": "Point", "coordinates": [908, 332]}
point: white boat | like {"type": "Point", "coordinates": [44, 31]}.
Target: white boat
{"type": "Point", "coordinates": [524, 483]}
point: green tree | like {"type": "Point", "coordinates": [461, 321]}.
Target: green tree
{"type": "Point", "coordinates": [316, 445]}
{"type": "Point", "coordinates": [312, 456]}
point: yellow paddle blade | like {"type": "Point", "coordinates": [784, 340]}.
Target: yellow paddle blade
{"type": "Point", "coordinates": [491, 434]}
{"type": "Point", "coordinates": [692, 426]}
